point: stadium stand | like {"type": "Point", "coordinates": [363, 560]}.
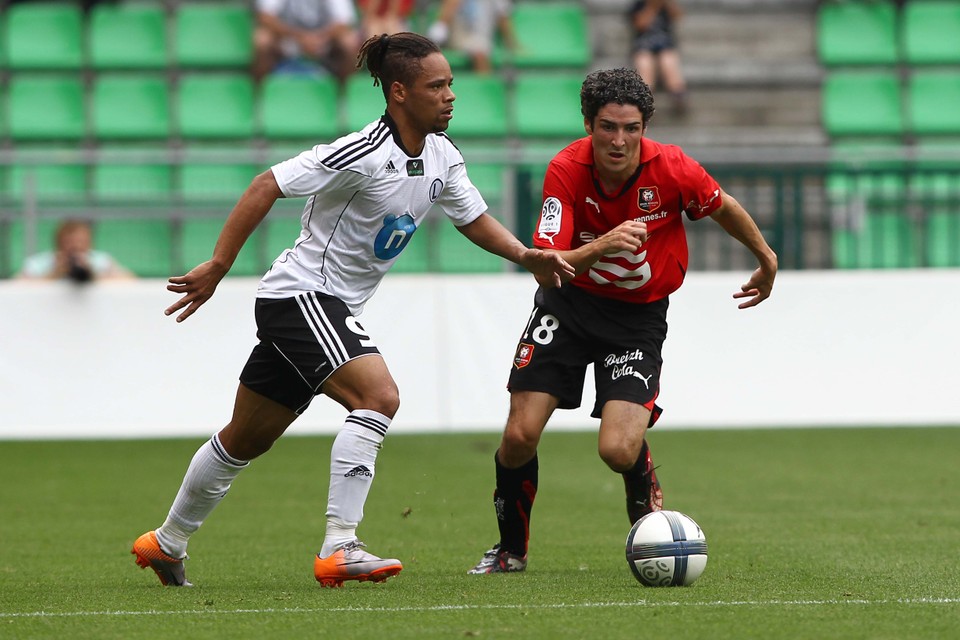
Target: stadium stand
{"type": "Point", "coordinates": [43, 36]}
{"type": "Point", "coordinates": [215, 106]}
{"type": "Point", "coordinates": [929, 94]}
{"type": "Point", "coordinates": [551, 34]}
{"type": "Point", "coordinates": [862, 104]}
{"type": "Point", "coordinates": [299, 107]}
{"type": "Point", "coordinates": [212, 34]}
{"type": "Point", "coordinates": [46, 107]}
{"type": "Point", "coordinates": [850, 33]}
{"type": "Point", "coordinates": [131, 107]}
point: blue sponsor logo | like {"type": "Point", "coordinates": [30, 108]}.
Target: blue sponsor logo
{"type": "Point", "coordinates": [394, 236]}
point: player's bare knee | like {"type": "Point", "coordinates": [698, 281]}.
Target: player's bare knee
{"type": "Point", "coordinates": [619, 459]}
{"type": "Point", "coordinates": [517, 447]}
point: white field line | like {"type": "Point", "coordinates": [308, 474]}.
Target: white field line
{"type": "Point", "coordinates": [487, 607]}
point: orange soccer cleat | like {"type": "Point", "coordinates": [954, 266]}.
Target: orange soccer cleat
{"type": "Point", "coordinates": [149, 554]}
{"type": "Point", "coordinates": [351, 562]}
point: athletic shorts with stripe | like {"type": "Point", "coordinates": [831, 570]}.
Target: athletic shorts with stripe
{"type": "Point", "coordinates": [570, 328]}
{"type": "Point", "coordinates": [303, 340]}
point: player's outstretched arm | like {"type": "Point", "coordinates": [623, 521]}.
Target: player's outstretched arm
{"type": "Point", "coordinates": [548, 267]}
{"type": "Point", "coordinates": [198, 285]}
{"type": "Point", "coordinates": [737, 222]}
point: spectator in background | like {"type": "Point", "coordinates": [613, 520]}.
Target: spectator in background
{"type": "Point", "coordinates": [470, 26]}
{"type": "Point", "coordinates": [73, 258]}
{"type": "Point", "coordinates": [654, 47]}
{"type": "Point", "coordinates": [384, 16]}
{"type": "Point", "coordinates": [290, 33]}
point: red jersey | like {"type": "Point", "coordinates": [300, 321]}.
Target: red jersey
{"type": "Point", "coordinates": [576, 210]}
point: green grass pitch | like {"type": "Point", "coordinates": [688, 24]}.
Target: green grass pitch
{"type": "Point", "coordinates": [815, 533]}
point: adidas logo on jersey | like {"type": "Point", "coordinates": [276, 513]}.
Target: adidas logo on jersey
{"type": "Point", "coordinates": [359, 470]}
{"type": "Point", "coordinates": [390, 168]}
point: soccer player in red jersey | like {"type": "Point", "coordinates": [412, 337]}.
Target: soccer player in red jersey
{"type": "Point", "coordinates": [612, 207]}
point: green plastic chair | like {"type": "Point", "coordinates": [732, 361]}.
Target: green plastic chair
{"type": "Point", "coordinates": [862, 103]}
{"type": "Point", "coordinates": [933, 102]}
{"type": "Point", "coordinates": [43, 36]}
{"type": "Point", "coordinates": [547, 105]}
{"type": "Point", "coordinates": [143, 246]}
{"type": "Point", "coordinates": [551, 34]}
{"type": "Point", "coordinates": [295, 106]}
{"type": "Point", "coordinates": [943, 239]}
{"type": "Point", "coordinates": [46, 108]}
{"type": "Point", "coordinates": [198, 236]}
{"type": "Point", "coordinates": [931, 32]}
{"type": "Point", "coordinates": [134, 183]}
{"type": "Point", "coordinates": [936, 179]}
{"type": "Point", "coordinates": [857, 33]}
{"type": "Point", "coordinates": [488, 178]}
{"type": "Point", "coordinates": [363, 102]}
{"type": "Point", "coordinates": [128, 36]}
{"type": "Point", "coordinates": [480, 109]}
{"type": "Point", "coordinates": [215, 183]}
{"type": "Point", "coordinates": [212, 35]}
{"type": "Point", "coordinates": [281, 232]}
{"type": "Point", "coordinates": [215, 106]}
{"type": "Point", "coordinates": [51, 183]}
{"type": "Point", "coordinates": [130, 107]}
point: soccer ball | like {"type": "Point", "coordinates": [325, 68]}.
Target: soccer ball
{"type": "Point", "coordinates": [666, 549]}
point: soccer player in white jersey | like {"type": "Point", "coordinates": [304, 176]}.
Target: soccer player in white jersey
{"type": "Point", "coordinates": [368, 192]}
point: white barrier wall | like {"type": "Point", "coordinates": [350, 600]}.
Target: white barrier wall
{"type": "Point", "coordinates": [829, 348]}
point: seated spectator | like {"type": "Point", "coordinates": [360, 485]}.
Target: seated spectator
{"type": "Point", "coordinates": [384, 16]}
{"type": "Point", "coordinates": [293, 33]}
{"type": "Point", "coordinates": [470, 26]}
{"type": "Point", "coordinates": [654, 47]}
{"type": "Point", "coordinates": [73, 258]}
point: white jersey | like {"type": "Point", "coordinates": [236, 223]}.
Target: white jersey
{"type": "Point", "coordinates": [367, 198]}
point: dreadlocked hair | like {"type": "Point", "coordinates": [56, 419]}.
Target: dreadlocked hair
{"type": "Point", "coordinates": [395, 58]}
{"type": "Point", "coordinates": [620, 86]}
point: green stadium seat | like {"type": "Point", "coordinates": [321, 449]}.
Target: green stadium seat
{"type": "Point", "coordinates": [128, 36]}
{"type": "Point", "coordinates": [215, 182]}
{"type": "Point", "coordinates": [143, 246]}
{"type": "Point", "coordinates": [551, 34]}
{"type": "Point", "coordinates": [930, 31]}
{"type": "Point", "coordinates": [363, 102]}
{"type": "Point", "coordinates": [132, 182]}
{"type": "Point", "coordinates": [198, 236]}
{"type": "Point", "coordinates": [853, 33]}
{"type": "Point", "coordinates": [300, 106]}
{"type": "Point", "coordinates": [547, 105]}
{"type": "Point", "coordinates": [488, 178]}
{"type": "Point", "coordinates": [933, 102]}
{"type": "Point", "coordinates": [862, 104]}
{"type": "Point", "coordinates": [885, 241]}
{"type": "Point", "coordinates": [43, 36]}
{"type": "Point", "coordinates": [943, 239]}
{"type": "Point", "coordinates": [936, 179]}
{"type": "Point", "coordinates": [480, 109]}
{"type": "Point", "coordinates": [130, 107]}
{"type": "Point", "coordinates": [51, 183]}
{"type": "Point", "coordinates": [215, 106]}
{"type": "Point", "coordinates": [210, 34]}
{"type": "Point", "coordinates": [46, 108]}
{"type": "Point", "coordinates": [456, 254]}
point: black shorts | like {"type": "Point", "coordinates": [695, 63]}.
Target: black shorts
{"type": "Point", "coordinates": [303, 340]}
{"type": "Point", "coordinates": [570, 328]}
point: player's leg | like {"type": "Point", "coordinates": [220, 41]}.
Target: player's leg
{"type": "Point", "coordinates": [673, 79]}
{"type": "Point", "coordinates": [645, 62]}
{"type": "Point", "coordinates": [623, 447]}
{"type": "Point", "coordinates": [256, 423]}
{"type": "Point", "coordinates": [517, 477]}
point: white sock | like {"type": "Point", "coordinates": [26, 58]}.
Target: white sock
{"type": "Point", "coordinates": [209, 476]}
{"type": "Point", "coordinates": [352, 467]}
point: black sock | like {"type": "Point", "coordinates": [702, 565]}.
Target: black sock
{"type": "Point", "coordinates": [513, 500]}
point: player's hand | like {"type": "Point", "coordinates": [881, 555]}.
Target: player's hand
{"type": "Point", "coordinates": [626, 236]}
{"type": "Point", "coordinates": [548, 268]}
{"type": "Point", "coordinates": [757, 288]}
{"type": "Point", "coordinates": [196, 287]}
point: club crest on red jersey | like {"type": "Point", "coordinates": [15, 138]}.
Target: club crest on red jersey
{"type": "Point", "coordinates": [524, 355]}
{"type": "Point", "coordinates": [648, 198]}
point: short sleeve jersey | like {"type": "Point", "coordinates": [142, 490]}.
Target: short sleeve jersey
{"type": "Point", "coordinates": [576, 210]}
{"type": "Point", "coordinates": [310, 14]}
{"type": "Point", "coordinates": [366, 198]}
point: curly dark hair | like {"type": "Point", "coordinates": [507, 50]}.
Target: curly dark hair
{"type": "Point", "coordinates": [395, 58]}
{"type": "Point", "coordinates": [620, 86]}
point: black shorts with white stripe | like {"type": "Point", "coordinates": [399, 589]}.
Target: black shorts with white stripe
{"type": "Point", "coordinates": [303, 340]}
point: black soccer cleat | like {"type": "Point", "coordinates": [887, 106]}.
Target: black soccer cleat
{"type": "Point", "coordinates": [643, 489]}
